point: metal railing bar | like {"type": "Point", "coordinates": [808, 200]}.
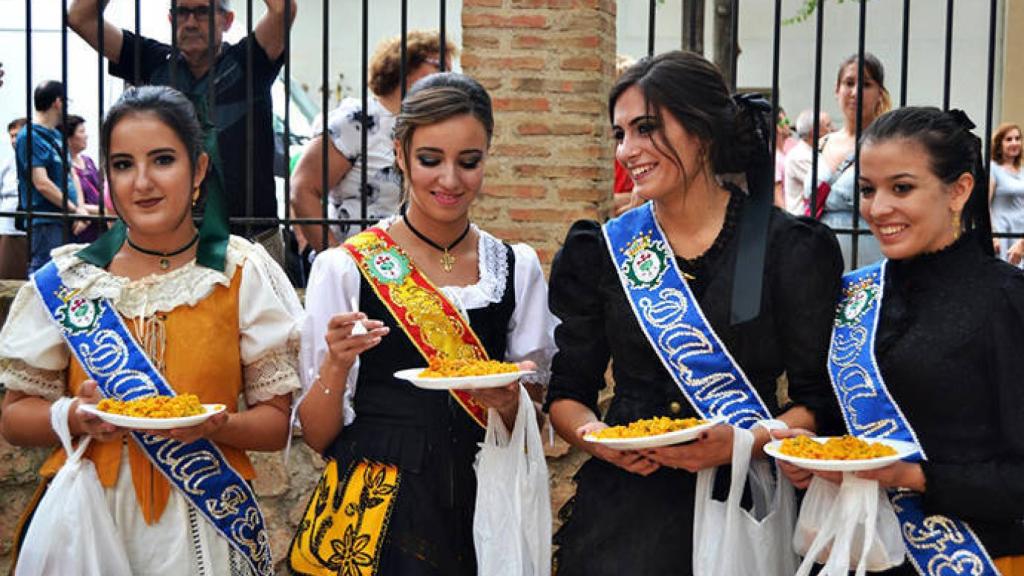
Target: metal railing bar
{"type": "Point", "coordinates": [402, 72]}
{"type": "Point", "coordinates": [101, 173]}
{"type": "Point", "coordinates": [287, 113]}
{"type": "Point", "coordinates": [816, 107]}
{"type": "Point", "coordinates": [652, 5]}
{"type": "Point", "coordinates": [30, 116]}
{"type": "Point", "coordinates": [990, 84]}
{"type": "Point", "coordinates": [905, 53]}
{"type": "Point", "coordinates": [443, 53]}
{"type": "Point", "coordinates": [65, 158]}
{"type": "Point", "coordinates": [949, 55]}
{"type": "Point", "coordinates": [249, 127]}
{"type": "Point", "coordinates": [776, 44]}
{"type": "Point", "coordinates": [859, 127]}
{"type": "Point", "coordinates": [364, 189]}
{"type": "Point", "coordinates": [325, 139]}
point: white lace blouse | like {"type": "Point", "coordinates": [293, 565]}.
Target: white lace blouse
{"type": "Point", "coordinates": [34, 356]}
{"type": "Point", "coordinates": [334, 285]}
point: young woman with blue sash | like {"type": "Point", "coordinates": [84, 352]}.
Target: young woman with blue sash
{"type": "Point", "coordinates": [157, 307]}
{"type": "Point", "coordinates": [701, 298]}
{"type": "Point", "coordinates": [925, 348]}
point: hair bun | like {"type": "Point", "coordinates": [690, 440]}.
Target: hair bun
{"type": "Point", "coordinates": [961, 119]}
{"type": "Point", "coordinates": [752, 101]}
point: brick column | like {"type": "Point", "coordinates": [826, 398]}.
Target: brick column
{"type": "Point", "coordinates": [548, 65]}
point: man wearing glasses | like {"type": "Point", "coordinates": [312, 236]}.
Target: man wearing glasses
{"type": "Point", "coordinates": [198, 57]}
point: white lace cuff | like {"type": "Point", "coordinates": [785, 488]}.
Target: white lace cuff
{"type": "Point", "coordinates": [274, 374]}
{"type": "Point", "coordinates": [17, 375]}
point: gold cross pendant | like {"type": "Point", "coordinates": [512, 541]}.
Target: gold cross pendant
{"type": "Point", "coordinates": [447, 261]}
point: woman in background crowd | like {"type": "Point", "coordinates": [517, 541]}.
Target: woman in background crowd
{"type": "Point", "coordinates": [835, 188]}
{"type": "Point", "coordinates": [1006, 191]}
{"type": "Point", "coordinates": [344, 127]}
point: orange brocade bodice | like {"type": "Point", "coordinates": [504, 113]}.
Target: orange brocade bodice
{"type": "Point", "coordinates": [202, 357]}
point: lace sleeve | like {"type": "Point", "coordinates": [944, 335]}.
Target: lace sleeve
{"type": "Point", "coordinates": [33, 356]}
{"type": "Point", "coordinates": [269, 315]}
{"type": "Point", "coordinates": [17, 375]}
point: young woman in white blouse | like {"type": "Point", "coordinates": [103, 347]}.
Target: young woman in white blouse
{"type": "Point", "coordinates": [425, 284]}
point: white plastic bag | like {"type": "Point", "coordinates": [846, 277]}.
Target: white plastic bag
{"type": "Point", "coordinates": [835, 523]}
{"type": "Point", "coordinates": [729, 540]}
{"type": "Point", "coordinates": [512, 522]}
{"type": "Point", "coordinates": [72, 532]}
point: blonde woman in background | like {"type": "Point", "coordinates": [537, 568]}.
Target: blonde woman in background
{"type": "Point", "coordinates": [344, 124]}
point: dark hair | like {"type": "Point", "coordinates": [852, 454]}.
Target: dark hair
{"type": "Point", "coordinates": [693, 91]}
{"type": "Point", "coordinates": [998, 156]}
{"type": "Point", "coordinates": [171, 107]}
{"type": "Point", "coordinates": [953, 150]}
{"type": "Point", "coordinates": [46, 94]}
{"type": "Point", "coordinates": [72, 124]}
{"type": "Point", "coordinates": [386, 63]}
{"type": "Point", "coordinates": [873, 69]}
{"type": "Point", "coordinates": [438, 97]}
{"type": "Point", "coordinates": [16, 124]}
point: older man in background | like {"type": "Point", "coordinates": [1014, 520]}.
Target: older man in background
{"type": "Point", "coordinates": [798, 160]}
{"type": "Point", "coordinates": [189, 66]}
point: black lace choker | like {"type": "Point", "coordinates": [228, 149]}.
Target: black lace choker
{"type": "Point", "coordinates": [165, 257]}
{"type": "Point", "coordinates": [447, 260]}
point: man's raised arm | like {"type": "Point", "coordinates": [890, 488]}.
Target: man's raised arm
{"type": "Point", "coordinates": [82, 17]}
{"type": "Point", "coordinates": [270, 29]}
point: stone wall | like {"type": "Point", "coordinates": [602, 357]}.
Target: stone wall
{"type": "Point", "coordinates": [548, 65]}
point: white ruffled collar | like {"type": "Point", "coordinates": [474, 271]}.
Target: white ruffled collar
{"type": "Point", "coordinates": [146, 296]}
{"type": "Point", "coordinates": [492, 271]}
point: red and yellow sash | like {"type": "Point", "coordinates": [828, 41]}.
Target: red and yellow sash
{"type": "Point", "coordinates": [432, 323]}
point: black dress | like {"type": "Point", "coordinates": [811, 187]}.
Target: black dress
{"type": "Point", "coordinates": [949, 349]}
{"type": "Point", "coordinates": [429, 437]}
{"type": "Point", "coordinates": [622, 523]}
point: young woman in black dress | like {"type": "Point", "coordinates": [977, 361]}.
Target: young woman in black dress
{"type": "Point", "coordinates": [678, 134]}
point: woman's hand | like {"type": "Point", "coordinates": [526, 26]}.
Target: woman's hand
{"type": "Point", "coordinates": [628, 460]}
{"type": "Point", "coordinates": [1016, 253]}
{"type": "Point", "coordinates": [83, 423]}
{"type": "Point", "coordinates": [801, 477]}
{"type": "Point", "coordinates": [190, 434]}
{"type": "Point", "coordinates": [898, 475]}
{"type": "Point", "coordinates": [345, 342]}
{"type": "Point", "coordinates": [712, 448]}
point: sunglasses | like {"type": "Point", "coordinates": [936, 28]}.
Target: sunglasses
{"type": "Point", "coordinates": [200, 13]}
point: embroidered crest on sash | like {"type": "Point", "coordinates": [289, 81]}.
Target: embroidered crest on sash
{"type": "Point", "coordinates": [77, 315]}
{"type": "Point", "coordinates": [646, 261]}
{"type": "Point", "coordinates": [937, 545]}
{"type": "Point", "coordinates": [389, 266]}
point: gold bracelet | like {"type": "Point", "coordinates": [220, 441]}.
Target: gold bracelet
{"type": "Point", "coordinates": [327, 389]}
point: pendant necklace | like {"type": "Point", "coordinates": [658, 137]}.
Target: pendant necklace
{"type": "Point", "coordinates": [447, 260]}
{"type": "Point", "coordinates": [165, 257]}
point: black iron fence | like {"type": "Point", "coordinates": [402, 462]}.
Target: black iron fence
{"type": "Point", "coordinates": [693, 38]}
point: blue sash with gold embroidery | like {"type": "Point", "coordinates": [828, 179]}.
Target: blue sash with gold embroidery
{"type": "Point", "coordinates": [674, 324]}
{"type": "Point", "coordinates": [110, 355]}
{"type": "Point", "coordinates": [936, 544]}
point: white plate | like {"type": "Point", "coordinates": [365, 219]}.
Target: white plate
{"type": "Point", "coordinates": [667, 439]}
{"type": "Point", "coordinates": [153, 423]}
{"type": "Point", "coordinates": [903, 450]}
{"type": "Point", "coordinates": [460, 382]}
